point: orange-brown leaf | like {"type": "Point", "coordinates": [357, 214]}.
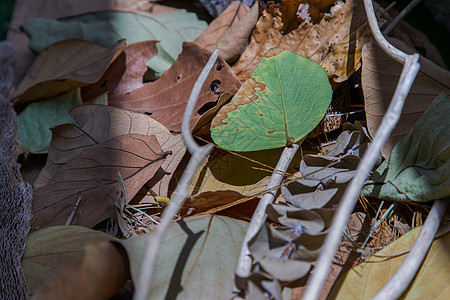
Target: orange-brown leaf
{"type": "Point", "coordinates": [333, 41]}
{"type": "Point", "coordinates": [166, 98]}
{"type": "Point", "coordinates": [230, 31]}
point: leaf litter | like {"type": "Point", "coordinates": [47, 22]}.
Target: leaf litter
{"type": "Point", "coordinates": [82, 156]}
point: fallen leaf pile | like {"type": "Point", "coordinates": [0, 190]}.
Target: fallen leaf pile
{"type": "Point", "coordinates": [101, 93]}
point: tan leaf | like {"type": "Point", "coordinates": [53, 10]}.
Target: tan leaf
{"type": "Point", "coordinates": [101, 272]}
{"type": "Point", "coordinates": [247, 174]}
{"type": "Point", "coordinates": [50, 249]}
{"type": "Point", "coordinates": [137, 54]}
{"type": "Point", "coordinates": [136, 157]}
{"type": "Point", "coordinates": [334, 41]}
{"type": "Point", "coordinates": [166, 98]}
{"type": "Point", "coordinates": [230, 31]}
{"type": "Point", "coordinates": [63, 66]}
{"type": "Point", "coordinates": [98, 124]}
{"type": "Point", "coordinates": [380, 75]}
{"type": "Point", "coordinates": [430, 282]}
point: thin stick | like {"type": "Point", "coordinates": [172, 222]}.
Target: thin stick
{"type": "Point", "coordinates": [181, 192]}
{"type": "Point", "coordinates": [351, 195]}
{"type": "Point", "coordinates": [400, 16]}
{"type": "Point", "coordinates": [408, 269]}
{"type": "Point", "coordinates": [244, 264]}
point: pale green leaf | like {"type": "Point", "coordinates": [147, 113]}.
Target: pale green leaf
{"type": "Point", "coordinates": [196, 260]}
{"type": "Point", "coordinates": [37, 118]}
{"type": "Point", "coordinates": [284, 99]}
{"type": "Point", "coordinates": [107, 27]}
{"type": "Point", "coordinates": [418, 168]}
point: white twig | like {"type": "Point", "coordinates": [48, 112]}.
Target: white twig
{"type": "Point", "coordinates": [181, 192]}
{"type": "Point", "coordinates": [400, 16]}
{"type": "Point", "coordinates": [186, 124]}
{"type": "Point", "coordinates": [244, 264]}
{"type": "Point", "coordinates": [408, 269]}
{"type": "Point", "coordinates": [409, 72]}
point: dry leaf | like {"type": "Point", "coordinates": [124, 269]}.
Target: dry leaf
{"type": "Point", "coordinates": [136, 157]}
{"type": "Point", "coordinates": [99, 124]}
{"type": "Point", "coordinates": [230, 31]}
{"type": "Point", "coordinates": [335, 41]}
{"type": "Point", "coordinates": [101, 272]}
{"type": "Point", "coordinates": [246, 174]}
{"type": "Point", "coordinates": [107, 83]}
{"type": "Point", "coordinates": [64, 66]}
{"type": "Point", "coordinates": [50, 249]}
{"type": "Point", "coordinates": [125, 73]}
{"type": "Point", "coordinates": [166, 98]}
{"type": "Point", "coordinates": [207, 203]}
{"type": "Point", "coordinates": [52, 9]}
{"type": "Point", "coordinates": [380, 74]}
{"type": "Point", "coordinates": [137, 54]}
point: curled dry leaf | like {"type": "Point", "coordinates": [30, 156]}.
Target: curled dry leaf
{"type": "Point", "coordinates": [136, 157]}
{"type": "Point", "coordinates": [230, 31]}
{"type": "Point", "coordinates": [98, 124]}
{"type": "Point", "coordinates": [101, 272]}
{"type": "Point", "coordinates": [136, 55]}
{"type": "Point", "coordinates": [166, 98]}
{"type": "Point", "coordinates": [380, 74]}
{"type": "Point", "coordinates": [64, 66]}
{"type": "Point", "coordinates": [333, 41]}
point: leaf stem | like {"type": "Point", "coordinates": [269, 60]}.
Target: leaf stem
{"type": "Point", "coordinates": [244, 264]}
{"type": "Point", "coordinates": [333, 239]}
{"type": "Point", "coordinates": [181, 192]}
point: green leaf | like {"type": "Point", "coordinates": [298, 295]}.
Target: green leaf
{"type": "Point", "coordinates": [418, 168]}
{"type": "Point", "coordinates": [37, 118]}
{"type": "Point", "coordinates": [282, 102]}
{"type": "Point", "coordinates": [196, 260]}
{"type": "Point", "coordinates": [431, 282]}
{"type": "Point", "coordinates": [52, 248]}
{"type": "Point", "coordinates": [107, 27]}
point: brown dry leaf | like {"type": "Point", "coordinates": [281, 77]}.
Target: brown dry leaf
{"type": "Point", "coordinates": [137, 54]}
{"type": "Point", "coordinates": [166, 98]}
{"type": "Point", "coordinates": [107, 83]}
{"type": "Point", "coordinates": [380, 74]}
{"type": "Point", "coordinates": [230, 32]}
{"type": "Point", "coordinates": [101, 272]}
{"type": "Point", "coordinates": [64, 66]}
{"type": "Point", "coordinates": [125, 73]}
{"type": "Point", "coordinates": [136, 157]}
{"type": "Point", "coordinates": [334, 41]}
{"type": "Point", "coordinates": [98, 124]}
{"type": "Point", "coordinates": [207, 203]}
